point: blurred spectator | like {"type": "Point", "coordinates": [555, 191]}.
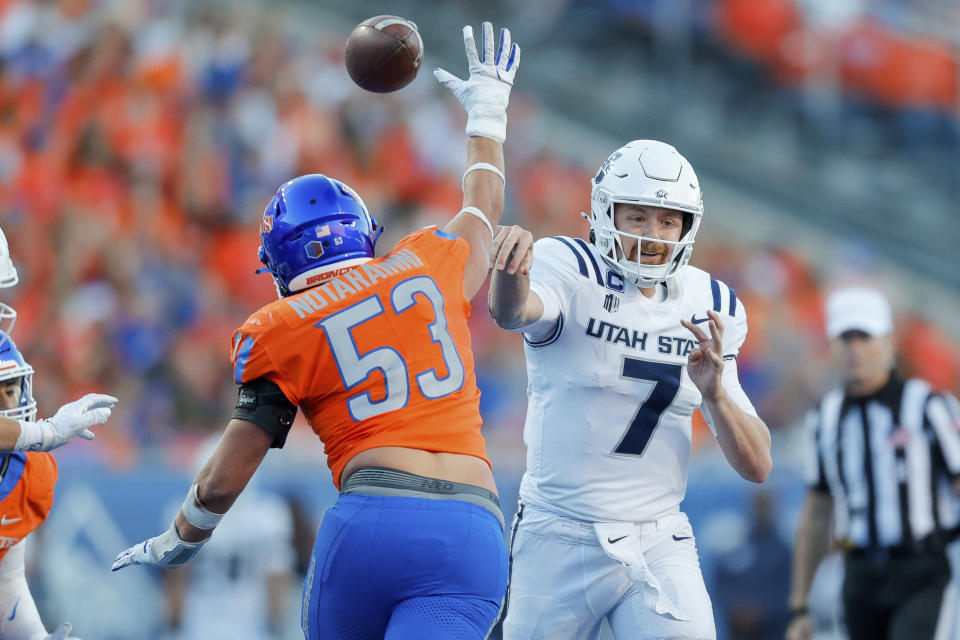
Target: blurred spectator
{"type": "Point", "coordinates": [751, 581]}
{"type": "Point", "coordinates": [133, 166]}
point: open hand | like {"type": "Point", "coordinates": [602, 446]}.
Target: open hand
{"type": "Point", "coordinates": [705, 363]}
{"type": "Point", "coordinates": [512, 250]}
{"type": "Point", "coordinates": [486, 92]}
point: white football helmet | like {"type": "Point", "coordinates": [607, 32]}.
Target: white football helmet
{"type": "Point", "coordinates": [651, 173]}
{"type": "Point", "coordinates": [8, 278]}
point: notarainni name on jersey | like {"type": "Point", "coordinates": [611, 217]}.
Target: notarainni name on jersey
{"type": "Point", "coordinates": [353, 282]}
{"type": "Point", "coordinates": [615, 334]}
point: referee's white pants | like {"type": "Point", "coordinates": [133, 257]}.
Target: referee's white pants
{"type": "Point", "coordinates": [562, 582]}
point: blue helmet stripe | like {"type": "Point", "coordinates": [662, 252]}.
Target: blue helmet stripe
{"type": "Point", "coordinates": [242, 357]}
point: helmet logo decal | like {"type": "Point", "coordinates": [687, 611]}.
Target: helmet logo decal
{"type": "Point", "coordinates": [314, 249]}
{"type": "Point", "coordinates": [322, 230]}
{"type": "Point", "coordinates": [662, 193]}
{"type": "Point", "coordinates": [606, 167]}
{"type": "Point", "coordinates": [267, 225]}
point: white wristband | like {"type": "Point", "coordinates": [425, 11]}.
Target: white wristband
{"type": "Point", "coordinates": [30, 438]}
{"type": "Point", "coordinates": [479, 214]}
{"type": "Point", "coordinates": [198, 515]}
{"type": "Point", "coordinates": [478, 166]}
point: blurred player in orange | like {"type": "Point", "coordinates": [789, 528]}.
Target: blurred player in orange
{"type": "Point", "coordinates": [27, 479]}
{"type": "Point", "coordinates": [376, 353]}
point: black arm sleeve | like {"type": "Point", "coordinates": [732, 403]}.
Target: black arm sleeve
{"type": "Point", "coordinates": [262, 402]}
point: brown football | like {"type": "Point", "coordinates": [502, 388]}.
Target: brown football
{"type": "Point", "coordinates": [384, 53]}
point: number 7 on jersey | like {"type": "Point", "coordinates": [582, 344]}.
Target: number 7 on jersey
{"type": "Point", "coordinates": [662, 383]}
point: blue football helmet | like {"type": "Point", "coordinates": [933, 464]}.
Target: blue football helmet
{"type": "Point", "coordinates": [313, 225]}
{"type": "Point", "coordinates": [14, 367]}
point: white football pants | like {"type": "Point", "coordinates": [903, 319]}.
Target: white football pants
{"type": "Point", "coordinates": [562, 583]}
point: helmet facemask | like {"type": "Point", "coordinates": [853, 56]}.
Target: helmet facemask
{"type": "Point", "coordinates": [651, 174]}
{"type": "Point", "coordinates": [8, 318]}
{"type": "Point", "coordinates": [8, 273]}
{"type": "Point", "coordinates": [14, 368]}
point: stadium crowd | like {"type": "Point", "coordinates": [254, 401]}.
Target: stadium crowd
{"type": "Point", "coordinates": [139, 142]}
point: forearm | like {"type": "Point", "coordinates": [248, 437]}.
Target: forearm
{"type": "Point", "coordinates": [482, 188]}
{"type": "Point", "coordinates": [511, 303]}
{"type": "Point", "coordinates": [810, 548]}
{"type": "Point", "coordinates": [743, 438]}
{"type": "Point", "coordinates": [226, 474]}
{"type": "Point", "coordinates": [9, 433]}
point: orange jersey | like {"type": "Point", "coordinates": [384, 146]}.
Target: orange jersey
{"type": "Point", "coordinates": [26, 495]}
{"type": "Point", "coordinates": [378, 356]}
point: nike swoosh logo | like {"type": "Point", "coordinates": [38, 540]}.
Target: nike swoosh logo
{"type": "Point", "coordinates": [5, 520]}
{"type": "Point", "coordinates": [15, 605]}
{"type": "Point", "coordinates": [612, 540]}
{"type": "Point", "coordinates": [679, 538]}
{"type": "Point", "coordinates": [695, 320]}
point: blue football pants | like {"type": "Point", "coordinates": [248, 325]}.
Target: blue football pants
{"type": "Point", "coordinates": [399, 567]}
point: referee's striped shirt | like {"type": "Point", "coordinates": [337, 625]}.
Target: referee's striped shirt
{"type": "Point", "coordinates": [888, 461]}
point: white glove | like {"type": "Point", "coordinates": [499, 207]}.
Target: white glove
{"type": "Point", "coordinates": [71, 420]}
{"type": "Point", "coordinates": [60, 633]}
{"type": "Point", "coordinates": [486, 92]}
{"type": "Point", "coordinates": [166, 550]}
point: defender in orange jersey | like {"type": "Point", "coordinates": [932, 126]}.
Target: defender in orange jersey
{"type": "Point", "coordinates": [27, 479]}
{"type": "Point", "coordinates": [376, 353]}
{"type": "Point", "coordinates": [27, 473]}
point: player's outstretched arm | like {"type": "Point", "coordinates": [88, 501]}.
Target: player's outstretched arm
{"type": "Point", "coordinates": [71, 420]}
{"type": "Point", "coordinates": [217, 486]}
{"type": "Point", "coordinates": [484, 95]}
{"type": "Point", "coordinates": [512, 304]}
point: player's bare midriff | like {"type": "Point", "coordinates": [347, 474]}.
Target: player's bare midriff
{"type": "Point", "coordinates": [455, 467]}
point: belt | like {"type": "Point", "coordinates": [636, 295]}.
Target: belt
{"type": "Point", "coordinates": [381, 481]}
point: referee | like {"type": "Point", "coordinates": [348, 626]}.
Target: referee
{"type": "Point", "coordinates": [884, 461]}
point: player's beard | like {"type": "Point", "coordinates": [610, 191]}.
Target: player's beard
{"type": "Point", "coordinates": [650, 247]}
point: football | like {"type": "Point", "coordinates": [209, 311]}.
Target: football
{"type": "Point", "coordinates": [384, 53]}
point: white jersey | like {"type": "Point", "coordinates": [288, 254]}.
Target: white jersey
{"type": "Point", "coordinates": [608, 426]}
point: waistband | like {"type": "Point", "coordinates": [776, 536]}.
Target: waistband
{"type": "Point", "coordinates": [546, 522]}
{"type": "Point", "coordinates": [382, 481]}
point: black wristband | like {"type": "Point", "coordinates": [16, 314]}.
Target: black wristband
{"type": "Point", "coordinates": [796, 612]}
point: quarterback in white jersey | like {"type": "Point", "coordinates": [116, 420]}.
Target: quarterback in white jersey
{"type": "Point", "coordinates": [624, 341]}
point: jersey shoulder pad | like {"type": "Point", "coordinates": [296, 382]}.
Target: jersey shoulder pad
{"type": "Point", "coordinates": [708, 293]}
{"type": "Point", "coordinates": [249, 346]}
{"type": "Point", "coordinates": [569, 255]}
{"type": "Point", "coordinates": [433, 246]}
